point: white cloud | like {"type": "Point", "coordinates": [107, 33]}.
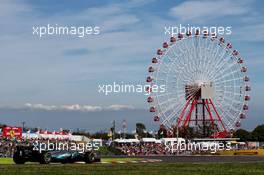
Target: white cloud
{"type": "Point", "coordinates": [253, 32]}
{"type": "Point", "coordinates": [117, 107]}
{"type": "Point", "coordinates": [119, 21]}
{"type": "Point", "coordinates": [98, 12]}
{"type": "Point", "coordinates": [11, 8]}
{"type": "Point", "coordinates": [77, 107]}
{"type": "Point", "coordinates": [111, 17]}
{"type": "Point", "coordinates": [40, 106]}
{"type": "Point", "coordinates": [205, 10]}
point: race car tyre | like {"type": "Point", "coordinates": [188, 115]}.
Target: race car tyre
{"type": "Point", "coordinates": [45, 158]}
{"type": "Point", "coordinates": [89, 157]}
{"type": "Point", "coordinates": [18, 159]}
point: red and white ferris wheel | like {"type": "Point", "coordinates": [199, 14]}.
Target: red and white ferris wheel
{"type": "Point", "coordinates": [206, 84]}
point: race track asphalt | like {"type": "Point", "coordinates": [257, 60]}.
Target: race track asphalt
{"type": "Point", "coordinates": [208, 159]}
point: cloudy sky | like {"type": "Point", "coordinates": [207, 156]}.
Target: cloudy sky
{"type": "Point", "coordinates": [54, 79]}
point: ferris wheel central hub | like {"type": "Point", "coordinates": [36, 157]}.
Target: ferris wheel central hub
{"type": "Point", "coordinates": [207, 91]}
{"type": "Point", "coordinates": [199, 90]}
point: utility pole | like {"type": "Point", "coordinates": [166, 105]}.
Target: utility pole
{"type": "Point", "coordinates": [23, 126]}
{"type": "Point", "coordinates": [113, 130]}
{"type": "Point", "coordinates": [177, 134]}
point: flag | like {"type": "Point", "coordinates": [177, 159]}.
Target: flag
{"type": "Point", "coordinates": [12, 132]}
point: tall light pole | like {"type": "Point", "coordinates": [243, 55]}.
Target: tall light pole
{"type": "Point", "coordinates": [23, 125]}
{"type": "Point", "coordinates": [177, 135]}
{"type": "Point", "coordinates": [113, 130]}
{"type": "Point", "coordinates": [124, 124]}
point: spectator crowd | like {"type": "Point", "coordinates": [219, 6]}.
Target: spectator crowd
{"type": "Point", "coordinates": [142, 149]}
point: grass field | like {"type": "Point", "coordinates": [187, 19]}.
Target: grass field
{"type": "Point", "coordinates": [134, 169]}
{"type": "Point", "coordinates": [10, 160]}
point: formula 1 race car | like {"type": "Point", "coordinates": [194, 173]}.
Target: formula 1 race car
{"type": "Point", "coordinates": [74, 156]}
{"type": "Point", "coordinates": [28, 154]}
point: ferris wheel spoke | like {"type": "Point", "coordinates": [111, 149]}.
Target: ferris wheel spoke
{"type": "Point", "coordinates": [167, 101]}
{"type": "Point", "coordinates": [227, 98]}
{"type": "Point", "coordinates": [226, 71]}
{"type": "Point", "coordinates": [229, 117]}
{"type": "Point", "coordinates": [173, 114]}
{"type": "Point", "coordinates": [224, 67]}
{"type": "Point", "coordinates": [235, 86]}
{"type": "Point", "coordinates": [188, 56]}
{"type": "Point", "coordinates": [190, 59]}
{"type": "Point", "coordinates": [221, 80]}
{"type": "Point", "coordinates": [215, 69]}
{"type": "Point", "coordinates": [168, 68]}
{"type": "Point", "coordinates": [164, 94]}
{"type": "Point", "coordinates": [226, 119]}
{"type": "Point", "coordinates": [223, 75]}
{"type": "Point", "coordinates": [167, 108]}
